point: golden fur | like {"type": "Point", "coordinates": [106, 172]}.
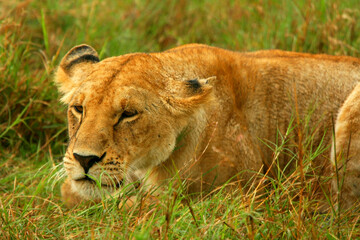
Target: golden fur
{"type": "Point", "coordinates": [195, 110]}
{"type": "Point", "coordinates": [347, 142]}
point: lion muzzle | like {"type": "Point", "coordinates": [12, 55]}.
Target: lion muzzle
{"type": "Point", "coordinates": [88, 161]}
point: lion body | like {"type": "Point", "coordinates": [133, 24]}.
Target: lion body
{"type": "Point", "coordinates": [205, 114]}
{"type": "Point", "coordinates": [346, 145]}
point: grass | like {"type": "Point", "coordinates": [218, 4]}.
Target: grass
{"type": "Point", "coordinates": [34, 35]}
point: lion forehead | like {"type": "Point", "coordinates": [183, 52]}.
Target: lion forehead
{"type": "Point", "coordinates": [114, 97]}
{"type": "Point", "coordinates": [113, 76]}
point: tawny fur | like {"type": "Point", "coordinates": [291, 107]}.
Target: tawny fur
{"type": "Point", "coordinates": [347, 142]}
{"type": "Point", "coordinates": [201, 112]}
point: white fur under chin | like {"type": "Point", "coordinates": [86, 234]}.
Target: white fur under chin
{"type": "Point", "coordinates": [87, 190]}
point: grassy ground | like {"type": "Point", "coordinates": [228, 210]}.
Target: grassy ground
{"type": "Point", "coordinates": [34, 35]}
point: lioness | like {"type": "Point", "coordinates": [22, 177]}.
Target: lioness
{"type": "Point", "coordinates": [203, 113]}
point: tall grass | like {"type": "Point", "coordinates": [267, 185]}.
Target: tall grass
{"type": "Point", "coordinates": [33, 37]}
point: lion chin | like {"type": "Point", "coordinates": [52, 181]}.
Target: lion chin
{"type": "Point", "coordinates": [74, 192]}
{"type": "Point", "coordinates": [202, 114]}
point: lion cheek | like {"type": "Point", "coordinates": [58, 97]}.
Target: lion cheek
{"type": "Point", "coordinates": [157, 154]}
{"type": "Point", "coordinates": [161, 154]}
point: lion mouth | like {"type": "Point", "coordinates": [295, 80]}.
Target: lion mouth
{"type": "Point", "coordinates": [87, 179]}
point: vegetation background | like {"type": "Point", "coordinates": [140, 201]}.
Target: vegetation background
{"type": "Point", "coordinates": [35, 34]}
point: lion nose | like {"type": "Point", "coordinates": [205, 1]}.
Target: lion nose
{"type": "Point", "coordinates": [87, 161]}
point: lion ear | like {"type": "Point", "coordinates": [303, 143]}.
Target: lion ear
{"type": "Point", "coordinates": [199, 85]}
{"type": "Point", "coordinates": [195, 92]}
{"type": "Point", "coordinates": [74, 67]}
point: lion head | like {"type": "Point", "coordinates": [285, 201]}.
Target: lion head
{"type": "Point", "coordinates": [124, 116]}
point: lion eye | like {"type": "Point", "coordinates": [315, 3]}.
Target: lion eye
{"type": "Point", "coordinates": [79, 109]}
{"type": "Point", "coordinates": [127, 114]}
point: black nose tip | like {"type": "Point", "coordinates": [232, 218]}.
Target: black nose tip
{"type": "Point", "coordinates": [88, 161]}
